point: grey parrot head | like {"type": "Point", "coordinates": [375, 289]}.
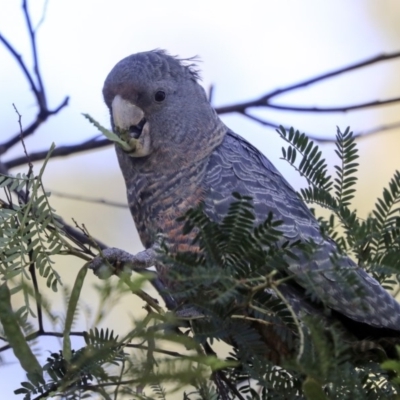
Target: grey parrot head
{"type": "Point", "coordinates": [158, 106]}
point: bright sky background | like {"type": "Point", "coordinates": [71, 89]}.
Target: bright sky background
{"type": "Point", "coordinates": [246, 48]}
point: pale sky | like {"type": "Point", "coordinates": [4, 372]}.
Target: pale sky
{"type": "Point", "coordinates": [246, 49]}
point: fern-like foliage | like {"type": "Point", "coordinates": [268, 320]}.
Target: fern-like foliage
{"type": "Point", "coordinates": [373, 241]}
{"type": "Point", "coordinates": [71, 378]}
{"type": "Point", "coordinates": [312, 165]}
{"type": "Point", "coordinates": [347, 151]}
{"type": "Point", "coordinates": [335, 194]}
{"type": "Point", "coordinates": [386, 221]}
{"type": "Point", "coordinates": [30, 231]}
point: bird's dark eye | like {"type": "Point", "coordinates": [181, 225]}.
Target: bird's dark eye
{"type": "Point", "coordinates": [159, 96]}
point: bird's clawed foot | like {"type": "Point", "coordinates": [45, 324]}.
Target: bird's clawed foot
{"type": "Point", "coordinates": [114, 261]}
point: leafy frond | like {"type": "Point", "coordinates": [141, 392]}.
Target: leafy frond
{"type": "Point", "coordinates": [312, 165]}
{"type": "Point", "coordinates": [31, 232]}
{"type": "Point", "coordinates": [386, 223]}
{"type": "Point", "coordinates": [345, 179]}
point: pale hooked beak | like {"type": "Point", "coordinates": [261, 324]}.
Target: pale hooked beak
{"type": "Point", "coordinates": [131, 125]}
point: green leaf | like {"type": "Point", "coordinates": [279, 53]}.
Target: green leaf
{"type": "Point", "coordinates": [15, 337]}
{"type": "Point", "coordinates": [108, 134]}
{"type": "Point", "coordinates": [72, 304]}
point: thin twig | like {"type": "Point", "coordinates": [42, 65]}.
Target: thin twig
{"type": "Point", "coordinates": [32, 268]}
{"type": "Point", "coordinates": [88, 199]}
{"type": "Point", "coordinates": [352, 107]}
{"type": "Point", "coordinates": [43, 16]}
{"type": "Point", "coordinates": [261, 121]}
{"type": "Point", "coordinates": [42, 116]}
{"type": "Point", "coordinates": [38, 334]}
{"type": "Point", "coordinates": [321, 139]}
{"type": "Point", "coordinates": [22, 65]}
{"type": "Point", "coordinates": [30, 165]}
{"type": "Point", "coordinates": [42, 95]}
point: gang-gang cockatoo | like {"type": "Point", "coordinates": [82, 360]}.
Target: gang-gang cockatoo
{"type": "Point", "coordinates": [182, 155]}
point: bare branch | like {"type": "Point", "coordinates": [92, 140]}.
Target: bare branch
{"type": "Point", "coordinates": [358, 135]}
{"type": "Point", "coordinates": [42, 18]}
{"type": "Point", "coordinates": [30, 165]}
{"type": "Point", "coordinates": [22, 65]}
{"type": "Point", "coordinates": [61, 151]}
{"type": "Point", "coordinates": [41, 117]}
{"type": "Point", "coordinates": [32, 269]}
{"type": "Point", "coordinates": [37, 87]}
{"type": "Point", "coordinates": [79, 237]}
{"type": "Point", "coordinates": [264, 101]}
{"type": "Point", "coordinates": [89, 199]}
{"type": "Point", "coordinates": [261, 121]}
{"type": "Point", "coordinates": [368, 104]}
{"type": "Point", "coordinates": [37, 334]}
{"type": "Point", "coordinates": [378, 129]}
{"type": "Point", "coordinates": [42, 95]}
{"type": "Point", "coordinates": [361, 64]}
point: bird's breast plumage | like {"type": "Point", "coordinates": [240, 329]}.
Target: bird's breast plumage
{"type": "Point", "coordinates": [156, 199]}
